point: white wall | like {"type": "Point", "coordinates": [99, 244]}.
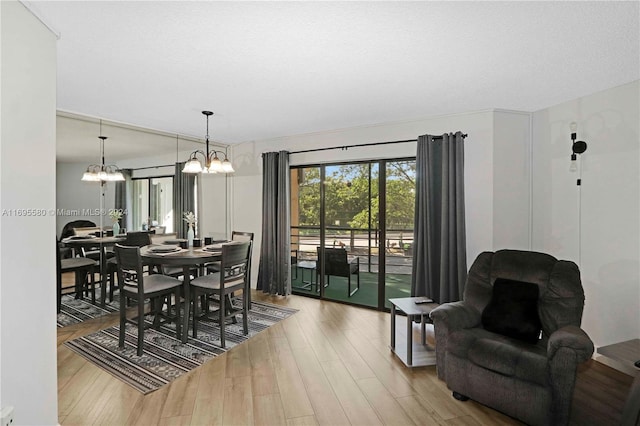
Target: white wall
{"type": "Point", "coordinates": [479, 169]}
{"type": "Point", "coordinates": [597, 225]}
{"type": "Point", "coordinates": [28, 374]}
{"type": "Point", "coordinates": [511, 180]}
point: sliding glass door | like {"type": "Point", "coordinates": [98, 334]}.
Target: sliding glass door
{"type": "Point", "coordinates": [352, 230]}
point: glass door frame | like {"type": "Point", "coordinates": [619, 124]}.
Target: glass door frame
{"type": "Point", "coordinates": [382, 224]}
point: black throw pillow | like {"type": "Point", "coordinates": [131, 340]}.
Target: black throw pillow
{"type": "Point", "coordinates": [513, 310]}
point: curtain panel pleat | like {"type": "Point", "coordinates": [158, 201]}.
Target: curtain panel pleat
{"type": "Point", "coordinates": [274, 272]}
{"type": "Point", "coordinates": [122, 198]}
{"type": "Point", "coordinates": [439, 257]}
{"type": "Point", "coordinates": [183, 199]}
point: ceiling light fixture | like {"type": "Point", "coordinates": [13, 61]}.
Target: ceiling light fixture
{"type": "Point", "coordinates": [212, 163]}
{"type": "Point", "coordinates": [577, 147]}
{"type": "Point", "coordinates": [101, 172]}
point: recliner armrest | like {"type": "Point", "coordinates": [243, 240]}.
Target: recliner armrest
{"type": "Point", "coordinates": [456, 315]}
{"type": "Point", "coordinates": [570, 337]}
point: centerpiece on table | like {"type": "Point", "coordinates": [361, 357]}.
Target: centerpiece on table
{"type": "Point", "coordinates": [115, 216]}
{"type": "Point", "coordinates": [190, 218]}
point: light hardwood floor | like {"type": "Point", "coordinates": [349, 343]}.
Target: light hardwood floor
{"type": "Point", "coordinates": [329, 364]}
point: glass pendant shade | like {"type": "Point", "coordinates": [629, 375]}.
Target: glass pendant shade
{"type": "Point", "coordinates": [216, 164]}
{"type": "Point", "coordinates": [227, 167]}
{"type": "Point", "coordinates": [192, 166]}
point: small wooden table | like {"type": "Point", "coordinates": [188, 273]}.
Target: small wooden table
{"type": "Point", "coordinates": [426, 355]}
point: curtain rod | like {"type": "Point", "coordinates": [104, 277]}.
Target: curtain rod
{"type": "Point", "coordinates": [464, 135]}
{"type": "Point", "coordinates": [153, 167]}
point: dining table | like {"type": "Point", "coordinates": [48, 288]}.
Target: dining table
{"type": "Point", "coordinates": [86, 241]}
{"type": "Point", "coordinates": [187, 259]}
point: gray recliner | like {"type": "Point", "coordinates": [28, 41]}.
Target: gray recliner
{"type": "Point", "coordinates": [533, 382]}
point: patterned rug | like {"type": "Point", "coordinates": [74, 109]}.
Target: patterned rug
{"type": "Point", "coordinates": [165, 357]}
{"type": "Point", "coordinates": [74, 311]}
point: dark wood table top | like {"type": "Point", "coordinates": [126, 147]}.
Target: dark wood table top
{"type": "Point", "coordinates": [191, 256]}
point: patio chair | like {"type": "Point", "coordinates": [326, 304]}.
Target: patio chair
{"type": "Point", "coordinates": [337, 264]}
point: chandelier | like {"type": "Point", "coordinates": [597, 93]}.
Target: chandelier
{"type": "Point", "coordinates": [101, 172]}
{"type": "Point", "coordinates": [212, 163]}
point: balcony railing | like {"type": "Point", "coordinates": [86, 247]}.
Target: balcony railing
{"type": "Point", "coordinates": [362, 242]}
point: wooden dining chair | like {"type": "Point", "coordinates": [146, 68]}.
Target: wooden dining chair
{"type": "Point", "coordinates": [133, 239]}
{"type": "Point", "coordinates": [242, 237]}
{"type": "Point", "coordinates": [83, 269]}
{"type": "Point", "coordinates": [138, 287]}
{"type": "Point", "coordinates": [232, 276]}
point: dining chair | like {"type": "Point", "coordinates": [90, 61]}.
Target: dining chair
{"type": "Point", "coordinates": [139, 287]}
{"type": "Point", "coordinates": [133, 239]}
{"type": "Point", "coordinates": [242, 237]}
{"type": "Point", "coordinates": [232, 276]}
{"type": "Point", "coordinates": [83, 270]}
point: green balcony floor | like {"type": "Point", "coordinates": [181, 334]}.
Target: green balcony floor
{"type": "Point", "coordinates": [396, 285]}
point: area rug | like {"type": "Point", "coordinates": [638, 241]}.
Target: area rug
{"type": "Point", "coordinates": [165, 358]}
{"type": "Point", "coordinates": [74, 311]}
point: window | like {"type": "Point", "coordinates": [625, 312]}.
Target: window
{"type": "Point", "coordinates": [153, 203]}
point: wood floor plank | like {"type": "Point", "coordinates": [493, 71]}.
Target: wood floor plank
{"type": "Point", "coordinates": [353, 401]}
{"type": "Point", "coordinates": [317, 340]}
{"type": "Point", "coordinates": [77, 387]}
{"type": "Point", "coordinates": [324, 400]}
{"type": "Point", "coordinates": [182, 395]}
{"type": "Point", "coordinates": [149, 409]}
{"type": "Point", "coordinates": [387, 372]}
{"type": "Point", "coordinates": [238, 402]}
{"type": "Point", "coordinates": [385, 405]}
{"type": "Point", "coordinates": [302, 421]}
{"type": "Point", "coordinates": [419, 410]}
{"type": "Point", "coordinates": [357, 366]}
{"type": "Point", "coordinates": [267, 410]}
{"type": "Point", "coordinates": [238, 362]}
{"type": "Point", "coordinates": [291, 387]}
{"type": "Point", "coordinates": [175, 421]}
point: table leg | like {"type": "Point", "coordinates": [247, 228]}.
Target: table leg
{"type": "Point", "coordinates": [423, 330]}
{"type": "Point", "coordinates": [187, 302]}
{"type": "Point", "coordinates": [409, 341]}
{"type": "Point", "coordinates": [393, 326]}
{"type": "Point", "coordinates": [103, 278]}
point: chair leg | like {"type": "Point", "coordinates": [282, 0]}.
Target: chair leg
{"type": "Point", "coordinates": [221, 316]}
{"type": "Point", "coordinates": [140, 326]}
{"type": "Point", "coordinates": [178, 322]}
{"type": "Point", "coordinates": [123, 320]}
{"type": "Point", "coordinates": [351, 293]}
{"type": "Point", "coordinates": [112, 285]}
{"type": "Point", "coordinates": [245, 306]}
{"type": "Point", "coordinates": [194, 298]}
{"type": "Point", "coordinates": [93, 286]}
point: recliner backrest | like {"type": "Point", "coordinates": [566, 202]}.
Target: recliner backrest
{"type": "Point", "coordinates": [561, 299]}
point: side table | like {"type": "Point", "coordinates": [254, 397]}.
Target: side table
{"type": "Point", "coordinates": [425, 354]}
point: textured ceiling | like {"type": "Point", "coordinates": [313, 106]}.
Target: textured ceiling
{"type": "Point", "coordinates": [270, 69]}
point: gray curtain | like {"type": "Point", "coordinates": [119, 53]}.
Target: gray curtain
{"type": "Point", "coordinates": [183, 199]}
{"type": "Point", "coordinates": [274, 272]}
{"type": "Point", "coordinates": [439, 255]}
{"type": "Point", "coordinates": [123, 192]}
